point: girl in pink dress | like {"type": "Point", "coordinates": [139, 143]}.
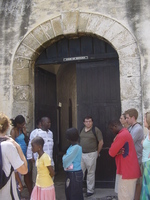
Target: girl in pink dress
{"type": "Point", "coordinates": [44, 188]}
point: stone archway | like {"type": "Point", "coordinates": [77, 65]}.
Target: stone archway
{"type": "Point", "coordinates": [73, 23]}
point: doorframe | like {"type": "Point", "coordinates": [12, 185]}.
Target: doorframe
{"type": "Point", "coordinates": [72, 23]}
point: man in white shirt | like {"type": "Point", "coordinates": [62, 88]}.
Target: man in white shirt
{"type": "Point", "coordinates": [44, 132]}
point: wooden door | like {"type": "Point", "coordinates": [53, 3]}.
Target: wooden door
{"type": "Point", "coordinates": [98, 95]}
{"type": "Point", "coordinates": [45, 100]}
{"type": "Point", "coordinates": [45, 96]}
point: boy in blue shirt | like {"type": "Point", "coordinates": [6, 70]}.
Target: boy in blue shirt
{"type": "Point", "coordinates": [72, 166]}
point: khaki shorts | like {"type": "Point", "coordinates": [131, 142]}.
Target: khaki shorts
{"type": "Point", "coordinates": [126, 188]}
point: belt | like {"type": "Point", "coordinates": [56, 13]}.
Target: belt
{"type": "Point", "coordinates": [89, 152]}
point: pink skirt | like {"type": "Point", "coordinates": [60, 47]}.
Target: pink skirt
{"type": "Point", "coordinates": [40, 193]}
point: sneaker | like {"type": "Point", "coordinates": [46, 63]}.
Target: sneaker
{"type": "Point", "coordinates": [88, 194]}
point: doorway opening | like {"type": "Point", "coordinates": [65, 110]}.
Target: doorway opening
{"type": "Point", "coordinates": [75, 78]}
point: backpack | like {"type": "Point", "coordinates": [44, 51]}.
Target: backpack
{"type": "Point", "coordinates": [3, 178]}
{"type": "Point", "coordinates": [94, 132]}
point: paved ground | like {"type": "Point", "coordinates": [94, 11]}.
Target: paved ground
{"type": "Point", "coordinates": [100, 194]}
{"type": "Point", "coordinates": [59, 181]}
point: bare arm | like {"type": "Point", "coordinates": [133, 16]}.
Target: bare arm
{"type": "Point", "coordinates": [100, 145]}
{"type": "Point", "coordinates": [12, 133]}
{"type": "Point", "coordinates": [20, 186]}
{"type": "Point", "coordinates": [51, 170]}
{"type": "Point", "coordinates": [22, 169]}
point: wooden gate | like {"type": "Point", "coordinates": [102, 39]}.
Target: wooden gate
{"type": "Point", "coordinates": [98, 90]}
{"type": "Point", "coordinates": [98, 95]}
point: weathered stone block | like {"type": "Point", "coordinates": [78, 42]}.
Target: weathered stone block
{"type": "Point", "coordinates": [146, 103]}
{"type": "Point", "coordinates": [48, 30]}
{"type": "Point", "coordinates": [57, 26]}
{"type": "Point", "coordinates": [129, 67]}
{"type": "Point", "coordinates": [104, 27]}
{"type": "Point", "coordinates": [70, 22]}
{"type": "Point", "coordinates": [5, 106]}
{"type": "Point", "coordinates": [21, 76]}
{"type": "Point", "coordinates": [146, 68]}
{"type": "Point", "coordinates": [112, 30]}
{"type": "Point", "coordinates": [82, 21]}
{"type": "Point", "coordinates": [129, 51]}
{"type": "Point", "coordinates": [93, 23]}
{"type": "Point", "coordinates": [26, 52]}
{"type": "Point", "coordinates": [40, 35]}
{"type": "Point", "coordinates": [130, 88]}
{"type": "Point", "coordinates": [32, 42]}
{"type": "Point", "coordinates": [123, 39]}
{"type": "Point", "coordinates": [20, 63]}
{"type": "Point", "coordinates": [22, 93]}
{"type": "Point", "coordinates": [146, 87]}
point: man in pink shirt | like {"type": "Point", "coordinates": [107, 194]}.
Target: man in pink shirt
{"type": "Point", "coordinates": [128, 168]}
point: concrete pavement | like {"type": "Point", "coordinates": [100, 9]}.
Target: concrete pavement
{"type": "Point", "coordinates": [100, 194]}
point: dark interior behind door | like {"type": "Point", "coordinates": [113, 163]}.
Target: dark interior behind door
{"type": "Point", "coordinates": [45, 99]}
{"type": "Point", "coordinates": [98, 95]}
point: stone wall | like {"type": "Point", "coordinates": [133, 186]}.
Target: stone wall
{"type": "Point", "coordinates": [27, 27]}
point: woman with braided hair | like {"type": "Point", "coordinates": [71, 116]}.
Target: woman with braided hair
{"type": "Point", "coordinates": [11, 158]}
{"type": "Point", "coordinates": [19, 134]}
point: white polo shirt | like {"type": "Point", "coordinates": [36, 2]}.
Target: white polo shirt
{"type": "Point", "coordinates": [48, 144]}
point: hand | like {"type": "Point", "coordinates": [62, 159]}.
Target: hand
{"type": "Point", "coordinates": [20, 187]}
{"type": "Point", "coordinates": [98, 154]}
{"type": "Point", "coordinates": [114, 138]}
{"type": "Point", "coordinates": [121, 151]}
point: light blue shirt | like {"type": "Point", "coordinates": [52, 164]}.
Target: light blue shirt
{"type": "Point", "coordinates": [146, 149]}
{"type": "Point", "coordinates": [73, 156]}
{"type": "Point", "coordinates": [137, 134]}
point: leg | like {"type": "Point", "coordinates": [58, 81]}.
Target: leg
{"type": "Point", "coordinates": [126, 188]}
{"type": "Point", "coordinates": [138, 191]}
{"type": "Point", "coordinates": [68, 185]}
{"type": "Point", "coordinates": [34, 173]}
{"type": "Point", "coordinates": [116, 184]}
{"type": "Point", "coordinates": [91, 167]}
{"type": "Point", "coordinates": [73, 187]}
{"type": "Point", "coordinates": [83, 165]}
{"type": "Point", "coordinates": [28, 182]}
{"type": "Point", "coordinates": [138, 186]}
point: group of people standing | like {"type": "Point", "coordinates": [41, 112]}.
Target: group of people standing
{"type": "Point", "coordinates": [18, 154]}
{"type": "Point", "coordinates": [132, 156]}
{"type": "Point", "coordinates": [130, 149]}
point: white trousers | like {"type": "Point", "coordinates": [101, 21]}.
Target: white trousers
{"type": "Point", "coordinates": [89, 162]}
{"type": "Point", "coordinates": [126, 188]}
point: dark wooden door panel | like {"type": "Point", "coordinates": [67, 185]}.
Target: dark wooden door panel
{"type": "Point", "coordinates": [45, 97]}
{"type": "Point", "coordinates": [98, 95]}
